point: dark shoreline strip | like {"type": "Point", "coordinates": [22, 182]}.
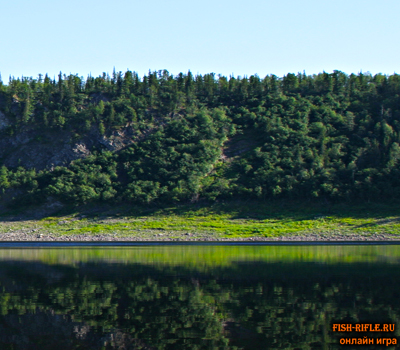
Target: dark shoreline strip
{"type": "Point", "coordinates": [76, 244]}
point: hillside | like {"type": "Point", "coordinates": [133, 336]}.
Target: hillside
{"type": "Point", "coordinates": [185, 138]}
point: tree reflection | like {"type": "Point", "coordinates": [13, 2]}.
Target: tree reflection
{"type": "Point", "coordinates": [242, 306]}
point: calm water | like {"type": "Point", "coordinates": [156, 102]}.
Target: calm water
{"type": "Point", "coordinates": [195, 297]}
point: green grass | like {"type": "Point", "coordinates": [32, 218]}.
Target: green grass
{"type": "Point", "coordinates": [221, 220]}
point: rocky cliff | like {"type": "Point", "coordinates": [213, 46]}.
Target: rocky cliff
{"type": "Point", "coordinates": [36, 149]}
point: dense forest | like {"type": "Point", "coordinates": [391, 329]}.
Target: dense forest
{"type": "Point", "coordinates": [186, 138]}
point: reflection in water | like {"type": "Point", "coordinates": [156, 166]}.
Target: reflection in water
{"type": "Point", "coordinates": [206, 297]}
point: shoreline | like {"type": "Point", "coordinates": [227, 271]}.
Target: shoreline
{"type": "Point", "coordinates": [193, 238]}
{"type": "Point", "coordinates": [219, 222]}
{"type": "Point", "coordinates": [127, 244]}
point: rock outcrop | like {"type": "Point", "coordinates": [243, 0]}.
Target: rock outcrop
{"type": "Point", "coordinates": [33, 149]}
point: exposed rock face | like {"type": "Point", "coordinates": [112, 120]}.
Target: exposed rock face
{"type": "Point", "coordinates": [4, 122]}
{"type": "Point", "coordinates": [48, 149]}
{"type": "Point", "coordinates": [30, 150]}
{"type": "Point", "coordinates": [118, 139]}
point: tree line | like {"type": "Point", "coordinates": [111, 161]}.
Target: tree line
{"type": "Point", "coordinates": [330, 135]}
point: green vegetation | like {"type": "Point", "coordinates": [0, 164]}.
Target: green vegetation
{"type": "Point", "coordinates": [331, 136]}
{"type": "Point", "coordinates": [219, 221]}
{"type": "Point", "coordinates": [325, 139]}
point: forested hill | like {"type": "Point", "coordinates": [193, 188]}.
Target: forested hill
{"type": "Point", "coordinates": [182, 138]}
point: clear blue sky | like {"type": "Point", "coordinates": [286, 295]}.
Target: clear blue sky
{"type": "Point", "coordinates": [220, 36]}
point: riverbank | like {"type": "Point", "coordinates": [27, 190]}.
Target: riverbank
{"type": "Point", "coordinates": [232, 221]}
{"type": "Point", "coordinates": [329, 237]}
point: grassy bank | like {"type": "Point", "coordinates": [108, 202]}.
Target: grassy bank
{"type": "Point", "coordinates": [232, 220]}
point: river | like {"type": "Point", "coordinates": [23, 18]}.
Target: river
{"type": "Point", "coordinates": [196, 296]}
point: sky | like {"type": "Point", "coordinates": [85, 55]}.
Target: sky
{"type": "Point", "coordinates": [226, 37]}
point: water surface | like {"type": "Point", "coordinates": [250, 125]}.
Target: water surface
{"type": "Point", "coordinates": [194, 297]}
